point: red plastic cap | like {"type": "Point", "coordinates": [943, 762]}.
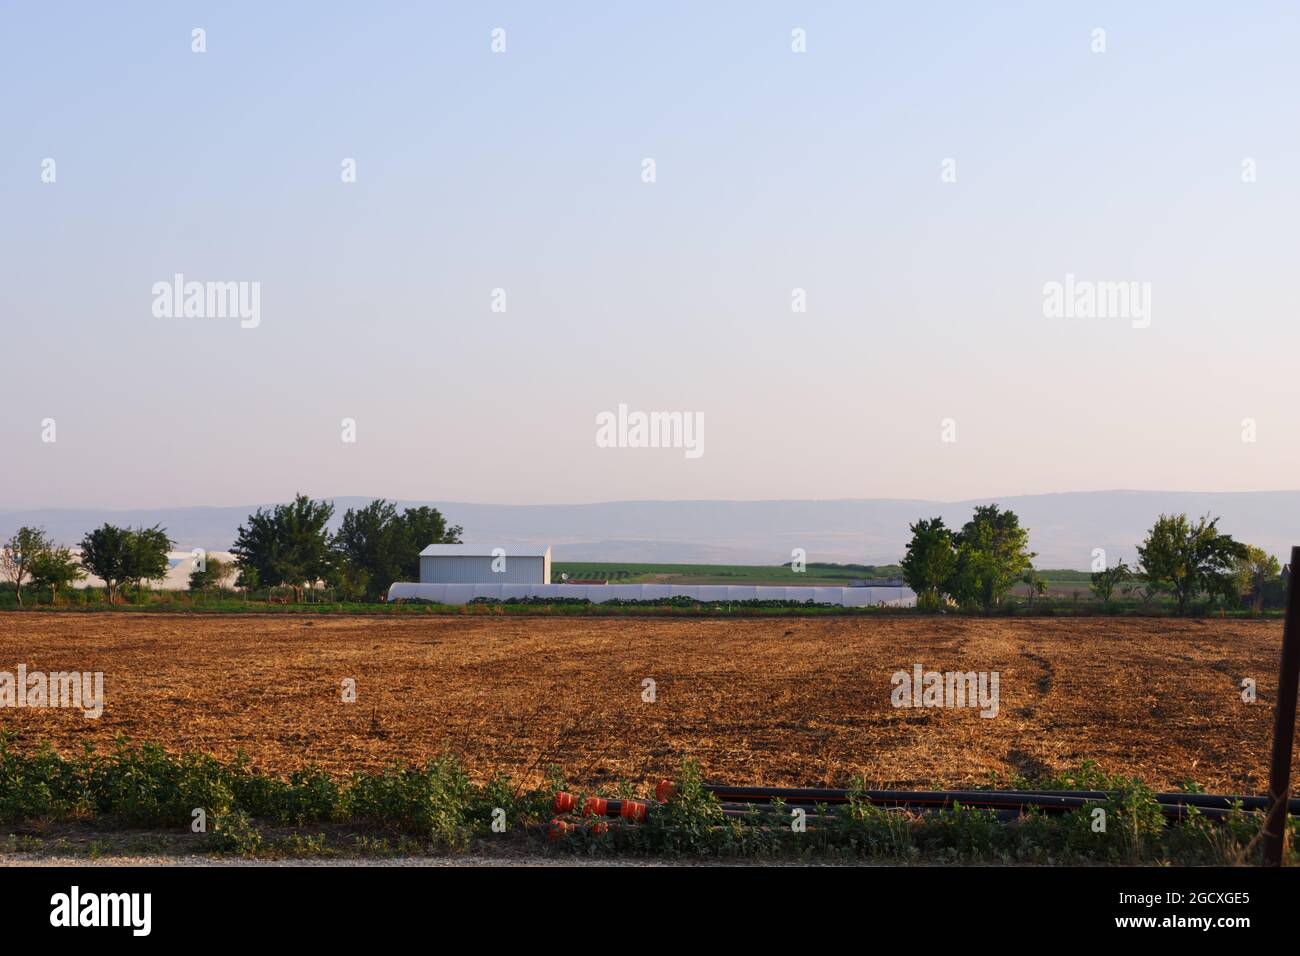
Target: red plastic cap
{"type": "Point", "coordinates": [632, 810]}
{"type": "Point", "coordinates": [557, 829]}
{"type": "Point", "coordinates": [564, 802]}
{"type": "Point", "coordinates": [664, 791]}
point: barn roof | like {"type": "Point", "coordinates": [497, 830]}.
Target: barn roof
{"type": "Point", "coordinates": [517, 549]}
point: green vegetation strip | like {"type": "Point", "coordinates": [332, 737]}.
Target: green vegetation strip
{"type": "Point", "coordinates": [439, 808]}
{"type": "Point", "coordinates": [182, 603]}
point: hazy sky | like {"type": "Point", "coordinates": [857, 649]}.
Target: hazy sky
{"type": "Point", "coordinates": [774, 170]}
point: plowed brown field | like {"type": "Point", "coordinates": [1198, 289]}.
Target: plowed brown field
{"type": "Point", "coordinates": [767, 701]}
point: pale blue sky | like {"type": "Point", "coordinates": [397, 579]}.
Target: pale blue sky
{"type": "Point", "coordinates": [775, 170]}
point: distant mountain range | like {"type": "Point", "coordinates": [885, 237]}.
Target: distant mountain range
{"type": "Point", "coordinates": [1064, 528]}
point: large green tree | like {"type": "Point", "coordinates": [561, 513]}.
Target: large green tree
{"type": "Point", "coordinates": [18, 555]}
{"type": "Point", "coordinates": [930, 561]}
{"type": "Point", "coordinates": [286, 545]}
{"type": "Point", "coordinates": [1189, 559]}
{"type": "Point", "coordinates": [379, 546]}
{"type": "Point", "coordinates": [122, 556]}
{"type": "Point", "coordinates": [370, 541]}
{"type": "Point", "coordinates": [992, 556]}
{"type": "Point", "coordinates": [103, 554]}
{"type": "Point", "coordinates": [147, 555]}
{"type": "Point", "coordinates": [422, 527]}
{"type": "Point", "coordinates": [257, 550]}
{"type": "Point", "coordinates": [1253, 573]}
{"type": "Point", "coordinates": [55, 569]}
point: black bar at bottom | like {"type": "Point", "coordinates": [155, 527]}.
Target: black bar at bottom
{"type": "Point", "coordinates": [334, 903]}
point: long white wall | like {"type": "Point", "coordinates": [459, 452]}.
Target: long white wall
{"type": "Point", "coordinates": [599, 593]}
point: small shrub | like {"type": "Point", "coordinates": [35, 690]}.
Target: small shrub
{"type": "Point", "coordinates": [234, 833]}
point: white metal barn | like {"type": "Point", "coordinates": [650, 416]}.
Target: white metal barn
{"type": "Point", "coordinates": [478, 564]}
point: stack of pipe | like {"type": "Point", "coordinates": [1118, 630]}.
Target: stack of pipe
{"type": "Point", "coordinates": [822, 803]}
{"type": "Point", "coordinates": [595, 811]}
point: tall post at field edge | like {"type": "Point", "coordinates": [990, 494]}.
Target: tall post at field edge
{"type": "Point", "coordinates": [1279, 777]}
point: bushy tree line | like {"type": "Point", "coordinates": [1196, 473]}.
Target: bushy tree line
{"type": "Point", "coordinates": [121, 557]}
{"type": "Point", "coordinates": [288, 545]}
{"type": "Point", "coordinates": [126, 556]}
{"type": "Point", "coordinates": [1191, 560]}
{"type": "Point", "coordinates": [291, 546]}
{"type": "Point", "coordinates": [977, 566]}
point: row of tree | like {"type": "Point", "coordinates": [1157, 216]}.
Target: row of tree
{"type": "Point", "coordinates": [1188, 560]}
{"type": "Point", "coordinates": [977, 566]}
{"type": "Point", "coordinates": [288, 545]}
{"type": "Point", "coordinates": [119, 556]}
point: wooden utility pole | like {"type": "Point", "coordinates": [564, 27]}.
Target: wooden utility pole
{"type": "Point", "coordinates": [1279, 778]}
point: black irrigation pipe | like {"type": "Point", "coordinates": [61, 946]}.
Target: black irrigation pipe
{"type": "Point", "coordinates": [633, 810]}
{"type": "Point", "coordinates": [558, 830]}
{"type": "Point", "coordinates": [766, 816]}
{"type": "Point", "coordinates": [1046, 799]}
{"type": "Point", "coordinates": [935, 798]}
{"type": "Point", "coordinates": [595, 808]}
{"type": "Point", "coordinates": [1170, 810]}
{"type": "Point", "coordinates": [830, 813]}
{"type": "Point", "coordinates": [1204, 801]}
{"type": "Point", "coordinates": [1015, 803]}
{"type": "Point", "coordinates": [1005, 805]}
{"type": "Point", "coordinates": [925, 799]}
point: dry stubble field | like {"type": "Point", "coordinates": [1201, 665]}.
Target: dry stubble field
{"type": "Point", "coordinates": [765, 701]}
